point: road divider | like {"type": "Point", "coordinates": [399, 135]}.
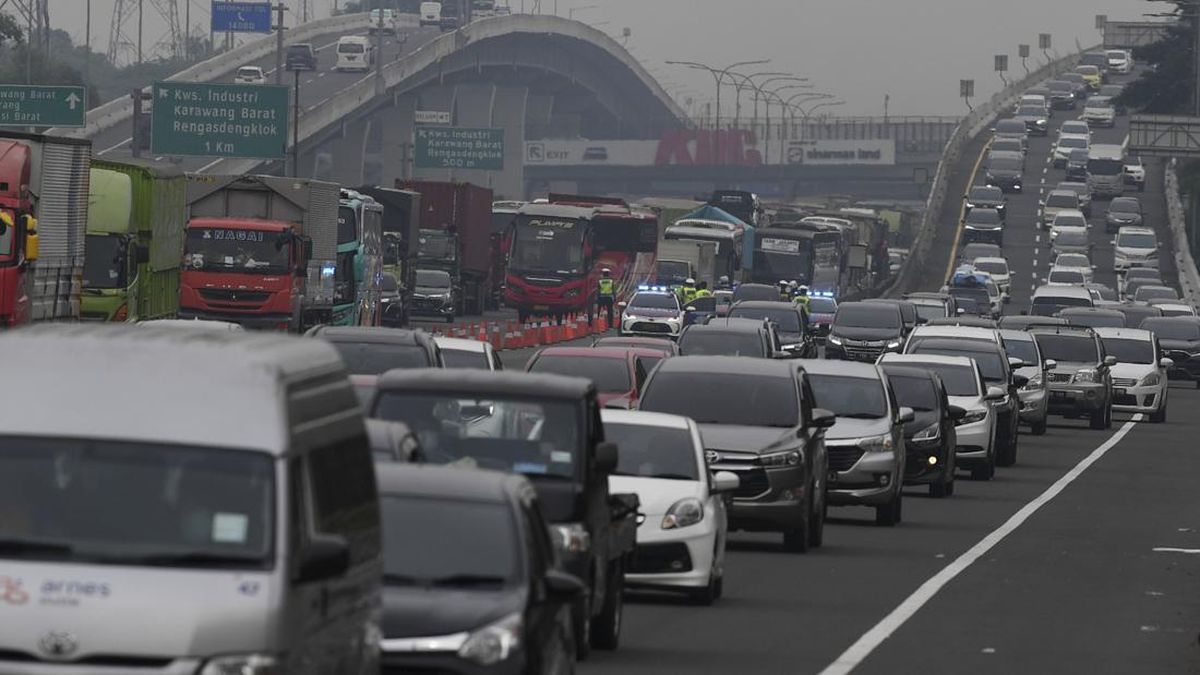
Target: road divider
{"type": "Point", "coordinates": [1189, 276]}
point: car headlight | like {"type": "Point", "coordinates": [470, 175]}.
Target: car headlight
{"type": "Point", "coordinates": [1035, 382]}
{"type": "Point", "coordinates": [494, 642]}
{"type": "Point", "coordinates": [777, 459]}
{"type": "Point", "coordinates": [1086, 375]}
{"type": "Point", "coordinates": [929, 433]}
{"type": "Point", "coordinates": [972, 417]}
{"type": "Point", "coordinates": [882, 443]}
{"type": "Point", "coordinates": [893, 344]}
{"type": "Point", "coordinates": [970, 205]}
{"type": "Point", "coordinates": [685, 512]}
{"type": "Point", "coordinates": [243, 664]}
{"type": "Point", "coordinates": [572, 537]}
{"type": "Point", "coordinates": [835, 340]}
{"type": "Point", "coordinates": [1150, 380]}
{"type": "Point", "coordinates": [630, 317]}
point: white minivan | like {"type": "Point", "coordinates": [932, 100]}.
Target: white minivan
{"type": "Point", "coordinates": [354, 52]}
{"type": "Point", "coordinates": [431, 14]}
{"type": "Point", "coordinates": [174, 501]}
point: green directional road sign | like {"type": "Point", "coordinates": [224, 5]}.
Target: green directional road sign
{"type": "Point", "coordinates": [42, 106]}
{"type": "Point", "coordinates": [459, 148]}
{"type": "Point", "coordinates": [219, 120]}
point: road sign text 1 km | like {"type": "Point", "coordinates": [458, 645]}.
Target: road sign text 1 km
{"type": "Point", "coordinates": [220, 120]}
{"type": "Point", "coordinates": [42, 106]}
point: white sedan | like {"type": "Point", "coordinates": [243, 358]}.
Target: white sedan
{"type": "Point", "coordinates": [1139, 377]}
{"type": "Point", "coordinates": [681, 541]}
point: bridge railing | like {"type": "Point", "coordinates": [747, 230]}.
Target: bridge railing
{"type": "Point", "coordinates": [982, 117]}
{"type": "Point", "coordinates": [1189, 276]}
{"type": "Point", "coordinates": [120, 109]}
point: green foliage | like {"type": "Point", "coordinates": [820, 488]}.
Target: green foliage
{"type": "Point", "coordinates": [1166, 87]}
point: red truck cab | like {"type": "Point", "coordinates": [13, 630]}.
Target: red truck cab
{"type": "Point", "coordinates": [18, 233]}
{"type": "Point", "coordinates": [244, 270]}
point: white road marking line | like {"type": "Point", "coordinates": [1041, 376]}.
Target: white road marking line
{"type": "Point", "coordinates": [1167, 549]}
{"type": "Point", "coordinates": [870, 640]}
{"type": "Point", "coordinates": [1045, 170]}
{"type": "Point", "coordinates": [108, 150]}
{"type": "Point", "coordinates": [210, 165]}
{"type": "Point", "coordinates": [1037, 238]}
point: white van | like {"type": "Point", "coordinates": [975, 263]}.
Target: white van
{"type": "Point", "coordinates": [354, 52]}
{"type": "Point", "coordinates": [431, 14]}
{"type": "Point", "coordinates": [184, 502]}
{"type": "Point", "coordinates": [1049, 300]}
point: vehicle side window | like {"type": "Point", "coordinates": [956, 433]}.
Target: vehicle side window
{"type": "Point", "coordinates": [535, 531]}
{"type": "Point", "coordinates": [298, 520]}
{"type": "Point", "coordinates": [342, 480]}
{"type": "Point", "coordinates": [639, 372]}
{"type": "Point", "coordinates": [496, 363]}
{"type": "Point", "coordinates": [806, 399]}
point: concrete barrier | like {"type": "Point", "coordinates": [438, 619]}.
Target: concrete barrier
{"type": "Point", "coordinates": [1189, 276]}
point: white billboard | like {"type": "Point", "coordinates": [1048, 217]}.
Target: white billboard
{"type": "Point", "coordinates": [590, 153]}
{"type": "Point", "coordinates": [880, 152]}
{"type": "Point", "coordinates": [675, 151]}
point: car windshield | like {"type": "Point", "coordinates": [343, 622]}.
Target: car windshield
{"type": "Point", "coordinates": [1005, 145]}
{"type": "Point", "coordinates": [849, 397]}
{"type": "Point", "coordinates": [1127, 350]}
{"type": "Point", "coordinates": [72, 500]}
{"type": "Point", "coordinates": [654, 301]}
{"type": "Point", "coordinates": [1131, 240]}
{"type": "Point", "coordinates": [1060, 200]}
{"type": "Point", "coordinates": [1004, 163]}
{"type": "Point", "coordinates": [1147, 293]}
{"type": "Point", "coordinates": [1172, 329]}
{"type": "Point", "coordinates": [610, 375]}
{"type": "Point", "coordinates": [1124, 206]}
{"type": "Point", "coordinates": [439, 541]}
{"type": "Point", "coordinates": [983, 217]}
{"type": "Point", "coordinates": [1073, 142]}
{"type": "Point", "coordinates": [538, 437]}
{"type": "Point", "coordinates": [786, 318]}
{"type": "Point", "coordinates": [822, 306]}
{"type": "Point", "coordinates": [721, 343]}
{"type": "Point", "coordinates": [992, 266]}
{"type": "Point", "coordinates": [433, 278]}
{"type": "Point", "coordinates": [653, 452]}
{"type": "Point", "coordinates": [1024, 349]}
{"type": "Point", "coordinates": [376, 358]}
{"type": "Point", "coordinates": [863, 315]}
{"type": "Point", "coordinates": [917, 393]}
{"type": "Point", "coordinates": [235, 250]}
{"type": "Point", "coordinates": [1071, 237]}
{"type": "Point", "coordinates": [103, 261]}
{"type": "Point", "coordinates": [986, 194]}
{"type": "Point", "coordinates": [464, 358]}
{"type": "Point", "coordinates": [1066, 348]}
{"type": "Point", "coordinates": [724, 398]}
{"type": "Point", "coordinates": [988, 356]}
{"type": "Point", "coordinates": [1065, 277]}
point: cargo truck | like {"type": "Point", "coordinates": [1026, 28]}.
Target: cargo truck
{"type": "Point", "coordinates": [359, 260]}
{"type": "Point", "coordinates": [401, 219]}
{"type": "Point", "coordinates": [43, 219]}
{"type": "Point", "coordinates": [136, 216]}
{"type": "Point", "coordinates": [261, 251]}
{"type": "Point", "coordinates": [679, 260]}
{"type": "Point", "coordinates": [455, 236]}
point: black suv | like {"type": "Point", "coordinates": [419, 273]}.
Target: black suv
{"type": "Point", "coordinates": [731, 337]}
{"type": "Point", "coordinates": [1080, 384]}
{"type": "Point", "coordinates": [300, 56]}
{"type": "Point", "coordinates": [794, 337]}
{"type": "Point", "coordinates": [758, 421]}
{"type": "Point", "coordinates": [1179, 338]}
{"type": "Point", "coordinates": [986, 197]}
{"type": "Point", "coordinates": [986, 225]}
{"type": "Point", "coordinates": [862, 331]}
{"type": "Point", "coordinates": [374, 351]}
{"type": "Point", "coordinates": [548, 428]}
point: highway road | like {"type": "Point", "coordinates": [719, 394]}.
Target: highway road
{"type": "Point", "coordinates": [315, 87]}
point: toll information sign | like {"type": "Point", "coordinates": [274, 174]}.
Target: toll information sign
{"type": "Point", "coordinates": [220, 120]}
{"type": "Point", "coordinates": [459, 148]}
{"type": "Point", "coordinates": [42, 106]}
{"type": "Point", "coordinates": [241, 17]}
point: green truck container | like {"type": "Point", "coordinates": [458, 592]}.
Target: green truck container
{"type": "Point", "coordinates": [134, 244]}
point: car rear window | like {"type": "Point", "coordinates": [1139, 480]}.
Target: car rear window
{"type": "Point", "coordinates": [611, 376]}
{"type": "Point", "coordinates": [653, 452]}
{"type": "Point", "coordinates": [374, 358]}
{"type": "Point", "coordinates": [1068, 348]}
{"type": "Point", "coordinates": [849, 397]}
{"type": "Point", "coordinates": [722, 398]}
{"type": "Point", "coordinates": [721, 343]}
{"type": "Point", "coordinates": [1127, 350]}
{"type": "Point", "coordinates": [987, 356]}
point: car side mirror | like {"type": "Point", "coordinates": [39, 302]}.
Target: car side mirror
{"type": "Point", "coordinates": [1019, 381]}
{"type": "Point", "coordinates": [1166, 363]}
{"type": "Point", "coordinates": [955, 413]}
{"type": "Point", "coordinates": [1051, 364]}
{"type": "Point", "coordinates": [326, 556]}
{"type": "Point", "coordinates": [725, 481]}
{"type": "Point", "coordinates": [606, 457]}
{"type": "Point", "coordinates": [994, 394]}
{"type": "Point", "coordinates": [822, 418]}
{"type": "Point", "coordinates": [689, 308]}
{"type": "Point", "coordinates": [1112, 242]}
{"type": "Point", "coordinates": [1110, 361]}
{"type": "Point", "coordinates": [622, 305]}
{"type": "Point", "coordinates": [1014, 362]}
{"type": "Point", "coordinates": [906, 415]}
{"type": "Point", "coordinates": [960, 311]}
{"type": "Point", "coordinates": [562, 587]}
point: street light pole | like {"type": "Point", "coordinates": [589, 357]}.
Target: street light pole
{"type": "Point", "coordinates": [279, 9]}
{"type": "Point", "coordinates": [718, 75]}
{"type": "Point", "coordinates": [296, 124]}
{"type": "Point", "coordinates": [747, 81]}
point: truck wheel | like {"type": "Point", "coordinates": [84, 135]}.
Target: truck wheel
{"type": "Point", "coordinates": [606, 627]}
{"type": "Point", "coordinates": [1098, 418]}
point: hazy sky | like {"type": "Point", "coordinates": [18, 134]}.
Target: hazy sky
{"type": "Point", "coordinates": [916, 51]}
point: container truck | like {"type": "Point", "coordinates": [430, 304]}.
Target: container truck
{"type": "Point", "coordinates": [261, 251]}
{"type": "Point", "coordinates": [401, 219]}
{"type": "Point", "coordinates": [679, 260]}
{"type": "Point", "coordinates": [43, 219]}
{"type": "Point", "coordinates": [455, 236]}
{"type": "Point", "coordinates": [136, 216]}
{"type": "Point", "coordinates": [359, 259]}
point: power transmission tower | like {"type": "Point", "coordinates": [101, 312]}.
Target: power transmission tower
{"type": "Point", "coordinates": [35, 16]}
{"type": "Point", "coordinates": [125, 38]}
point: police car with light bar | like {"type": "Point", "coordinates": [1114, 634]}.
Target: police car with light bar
{"type": "Point", "coordinates": [654, 311]}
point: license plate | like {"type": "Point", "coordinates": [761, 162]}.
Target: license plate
{"type": "Point", "coordinates": [1119, 391]}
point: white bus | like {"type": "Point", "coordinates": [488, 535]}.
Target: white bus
{"type": "Point", "coordinates": [1106, 170]}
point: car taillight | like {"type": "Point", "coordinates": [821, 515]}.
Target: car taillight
{"type": "Point", "coordinates": [122, 313]}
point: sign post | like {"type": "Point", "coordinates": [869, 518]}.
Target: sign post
{"type": "Point", "coordinates": [459, 148]}
{"type": "Point", "coordinates": [1044, 45]}
{"type": "Point", "coordinates": [241, 17]}
{"type": "Point", "coordinates": [42, 106]}
{"type": "Point", "coordinates": [220, 120]}
{"type": "Point", "coordinates": [966, 89]}
{"type": "Point", "coordinates": [1002, 67]}
{"type": "Point", "coordinates": [1023, 52]}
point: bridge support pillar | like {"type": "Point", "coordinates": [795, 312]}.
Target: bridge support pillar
{"type": "Point", "coordinates": [348, 154]}
{"type": "Point", "coordinates": [397, 137]}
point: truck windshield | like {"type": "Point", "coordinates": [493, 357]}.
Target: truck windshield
{"type": "Point", "coordinates": [673, 271]}
{"type": "Point", "coordinates": [104, 261]}
{"type": "Point", "coordinates": [347, 225]}
{"type": "Point", "coordinates": [247, 251]}
{"type": "Point", "coordinates": [435, 246]}
{"type": "Point", "coordinates": [122, 503]}
{"type": "Point", "coordinates": [345, 288]}
{"type": "Point", "coordinates": [439, 541]}
{"type": "Point", "coordinates": [547, 245]}
{"type": "Point", "coordinates": [6, 240]}
{"type": "Point", "coordinates": [626, 235]}
{"type": "Point", "coordinates": [539, 437]}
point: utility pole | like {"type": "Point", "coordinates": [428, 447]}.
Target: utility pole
{"type": "Point", "coordinates": [379, 51]}
{"type": "Point", "coordinates": [279, 9]}
{"type": "Point", "coordinates": [29, 51]}
{"type": "Point", "coordinates": [1196, 56]}
{"type": "Point", "coordinates": [87, 46]}
{"type": "Point", "coordinates": [139, 59]}
{"type": "Point", "coordinates": [187, 30]}
{"type": "Point", "coordinates": [296, 125]}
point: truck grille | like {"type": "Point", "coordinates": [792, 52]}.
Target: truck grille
{"type": "Point", "coordinates": [229, 295]}
{"type": "Point", "coordinates": [842, 458]}
{"type": "Point", "coordinates": [660, 559]}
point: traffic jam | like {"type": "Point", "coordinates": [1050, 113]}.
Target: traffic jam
{"type": "Point", "coordinates": [289, 451]}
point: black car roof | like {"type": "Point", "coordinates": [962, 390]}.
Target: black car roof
{"type": "Point", "coordinates": [373, 334]}
{"type": "Point", "coordinates": [428, 480]}
{"type": "Point", "coordinates": [493, 383]}
{"type": "Point", "coordinates": [727, 365]}
{"type": "Point", "coordinates": [907, 370]}
{"type": "Point", "coordinates": [763, 304]}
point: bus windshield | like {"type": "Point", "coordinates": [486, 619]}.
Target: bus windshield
{"type": "Point", "coordinates": [1105, 167]}
{"type": "Point", "coordinates": [347, 225]}
{"type": "Point", "coordinates": [547, 245]}
{"type": "Point", "coordinates": [787, 259]}
{"type": "Point", "coordinates": [625, 234]}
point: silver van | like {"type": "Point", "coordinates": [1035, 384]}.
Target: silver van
{"type": "Point", "coordinates": [184, 502]}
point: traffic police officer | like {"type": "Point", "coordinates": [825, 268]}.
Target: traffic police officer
{"type": "Point", "coordinates": [687, 292]}
{"type": "Point", "coordinates": [605, 294]}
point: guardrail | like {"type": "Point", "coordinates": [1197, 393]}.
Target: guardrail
{"type": "Point", "coordinates": [982, 117]}
{"type": "Point", "coordinates": [1189, 276]}
{"type": "Point", "coordinates": [120, 109]}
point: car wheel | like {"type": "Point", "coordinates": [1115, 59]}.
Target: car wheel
{"type": "Point", "coordinates": [606, 629]}
{"type": "Point", "coordinates": [1039, 428]}
{"type": "Point", "coordinates": [795, 540]}
{"type": "Point", "coordinates": [707, 595]}
{"type": "Point", "coordinates": [1198, 383]}
{"type": "Point", "coordinates": [1098, 418]}
{"type": "Point", "coordinates": [950, 488]}
{"type": "Point", "coordinates": [1008, 452]}
{"type": "Point", "coordinates": [582, 625]}
{"type": "Point", "coordinates": [720, 587]}
{"type": "Point", "coordinates": [816, 526]}
{"type": "Point", "coordinates": [1159, 416]}
{"type": "Point", "coordinates": [887, 515]}
{"type": "Point", "coordinates": [1108, 416]}
{"type": "Point", "coordinates": [942, 488]}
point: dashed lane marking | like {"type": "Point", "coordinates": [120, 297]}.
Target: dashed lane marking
{"type": "Point", "coordinates": [1168, 549]}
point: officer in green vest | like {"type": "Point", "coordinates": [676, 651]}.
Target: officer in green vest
{"type": "Point", "coordinates": [605, 294]}
{"type": "Point", "coordinates": [802, 299]}
{"type": "Point", "coordinates": [687, 292]}
{"type": "Point", "coordinates": [702, 290]}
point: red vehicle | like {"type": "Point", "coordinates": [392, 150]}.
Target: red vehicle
{"type": "Point", "coordinates": [552, 257]}
{"type": "Point", "coordinates": [626, 239]}
{"type": "Point", "coordinates": [618, 373]}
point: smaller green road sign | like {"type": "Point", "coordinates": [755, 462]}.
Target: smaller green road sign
{"type": "Point", "coordinates": [459, 148]}
{"type": "Point", "coordinates": [42, 106]}
{"type": "Point", "coordinates": [219, 120]}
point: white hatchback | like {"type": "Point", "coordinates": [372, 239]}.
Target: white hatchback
{"type": "Point", "coordinates": [1139, 377]}
{"type": "Point", "coordinates": [682, 537]}
{"type": "Point", "coordinates": [249, 75]}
